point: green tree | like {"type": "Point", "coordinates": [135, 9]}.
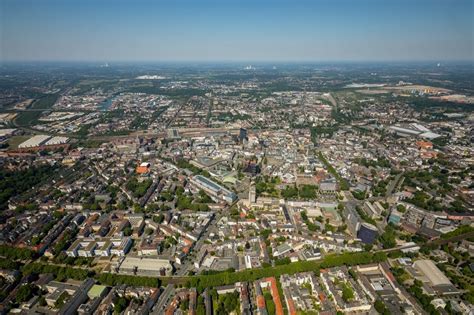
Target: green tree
{"type": "Point", "coordinates": [120, 305]}
{"type": "Point", "coordinates": [347, 293]}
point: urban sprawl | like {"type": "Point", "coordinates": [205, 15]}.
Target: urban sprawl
{"type": "Point", "coordinates": [237, 190]}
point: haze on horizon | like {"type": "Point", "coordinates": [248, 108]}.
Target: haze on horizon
{"type": "Point", "coordinates": [211, 30]}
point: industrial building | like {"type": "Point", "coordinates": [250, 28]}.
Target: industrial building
{"type": "Point", "coordinates": [57, 141]}
{"type": "Point", "coordinates": [144, 266]}
{"type": "Point", "coordinates": [34, 141]}
{"type": "Point", "coordinates": [214, 190]}
{"type": "Point", "coordinates": [430, 275]}
{"type": "Point", "coordinates": [414, 130]}
{"type": "Point", "coordinates": [42, 140]}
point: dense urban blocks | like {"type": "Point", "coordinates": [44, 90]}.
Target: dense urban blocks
{"type": "Point", "coordinates": [236, 189]}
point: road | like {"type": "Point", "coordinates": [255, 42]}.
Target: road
{"type": "Point", "coordinates": [163, 300]}
{"type": "Point", "coordinates": [189, 264]}
{"type": "Point", "coordinates": [393, 184]}
{"type": "Point", "coordinates": [183, 269]}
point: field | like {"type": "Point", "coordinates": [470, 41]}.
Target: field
{"type": "Point", "coordinates": [14, 141]}
{"type": "Point", "coordinates": [30, 117]}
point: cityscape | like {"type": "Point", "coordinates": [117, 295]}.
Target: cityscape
{"type": "Point", "coordinates": [235, 186]}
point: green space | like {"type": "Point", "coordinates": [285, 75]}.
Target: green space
{"type": "Point", "coordinates": [267, 185]}
{"type": "Point", "coordinates": [347, 292]}
{"type": "Point", "coordinates": [138, 189]}
{"type": "Point", "coordinates": [30, 118]}
{"type": "Point", "coordinates": [181, 163]}
{"type": "Point", "coordinates": [227, 303]}
{"type": "Point", "coordinates": [270, 305]}
{"type": "Point", "coordinates": [302, 192]}
{"type": "Point", "coordinates": [347, 259]}
{"type": "Point", "coordinates": [204, 281]}
{"type": "Point", "coordinates": [463, 229]}
{"type": "Point", "coordinates": [15, 141]}
{"type": "Point", "coordinates": [14, 183]}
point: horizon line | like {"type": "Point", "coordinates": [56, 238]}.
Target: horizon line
{"type": "Point", "coordinates": [256, 61]}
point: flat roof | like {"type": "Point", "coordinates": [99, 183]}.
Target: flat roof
{"type": "Point", "coordinates": [153, 264]}
{"type": "Point", "coordinates": [96, 290]}
{"type": "Point", "coordinates": [430, 271]}
{"type": "Point", "coordinates": [34, 141]}
{"type": "Point", "coordinates": [5, 132]}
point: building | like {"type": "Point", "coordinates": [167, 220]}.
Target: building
{"type": "Point", "coordinates": [57, 141]}
{"type": "Point", "coordinates": [216, 191]}
{"type": "Point", "coordinates": [353, 219]}
{"type": "Point", "coordinates": [371, 210]}
{"type": "Point", "coordinates": [173, 134]}
{"type": "Point", "coordinates": [367, 233]}
{"type": "Point", "coordinates": [144, 266]}
{"type": "Point", "coordinates": [95, 294]}
{"type": "Point", "coordinates": [252, 194]}
{"type": "Point", "coordinates": [424, 145]}
{"type": "Point", "coordinates": [99, 247]}
{"type": "Point", "coordinates": [435, 278]}
{"type": "Point", "coordinates": [35, 141]}
{"type": "Point", "coordinates": [328, 186]}
{"type": "Point", "coordinates": [271, 284]}
{"type": "Point", "coordinates": [74, 294]}
{"type": "Point", "coordinates": [143, 168]}
{"type": "Point", "coordinates": [242, 135]}
{"type": "Point", "coordinates": [395, 217]}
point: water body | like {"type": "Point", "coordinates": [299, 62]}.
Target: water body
{"type": "Point", "coordinates": [105, 105]}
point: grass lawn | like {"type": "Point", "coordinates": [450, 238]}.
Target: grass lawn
{"type": "Point", "coordinates": [14, 141]}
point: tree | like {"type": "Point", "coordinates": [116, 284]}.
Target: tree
{"type": "Point", "coordinates": [184, 305]}
{"type": "Point", "coordinates": [401, 208]}
{"type": "Point", "coordinates": [227, 303]}
{"type": "Point", "coordinates": [127, 231]}
{"type": "Point", "coordinates": [24, 293]}
{"type": "Point", "coordinates": [347, 292]}
{"type": "Point", "coordinates": [148, 231]}
{"type": "Point", "coordinates": [14, 183]}
{"type": "Point", "coordinates": [152, 207]}
{"type": "Point", "coordinates": [271, 308]}
{"type": "Point", "coordinates": [381, 308]}
{"type": "Point", "coordinates": [62, 299]}
{"type": "Point", "coordinates": [353, 274]}
{"type": "Point", "coordinates": [120, 304]}
{"type": "Point", "coordinates": [158, 218]}
{"type": "Point", "coordinates": [388, 237]}
{"type": "Point", "coordinates": [16, 252]}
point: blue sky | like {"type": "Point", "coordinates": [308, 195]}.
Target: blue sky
{"type": "Point", "coordinates": [230, 30]}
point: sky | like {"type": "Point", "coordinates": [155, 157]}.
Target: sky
{"type": "Point", "coordinates": [231, 30]}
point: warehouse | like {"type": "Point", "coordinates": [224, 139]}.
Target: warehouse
{"type": "Point", "coordinates": [434, 278]}
{"type": "Point", "coordinates": [34, 141]}
{"type": "Point", "coordinates": [145, 266]}
{"type": "Point", "coordinates": [57, 140]}
{"type": "Point", "coordinates": [431, 272]}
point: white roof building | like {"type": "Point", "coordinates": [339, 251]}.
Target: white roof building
{"type": "Point", "coordinates": [34, 141]}
{"type": "Point", "coordinates": [431, 272]}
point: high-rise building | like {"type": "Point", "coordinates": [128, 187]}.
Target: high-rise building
{"type": "Point", "coordinates": [242, 134]}
{"type": "Point", "coordinates": [252, 194]}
